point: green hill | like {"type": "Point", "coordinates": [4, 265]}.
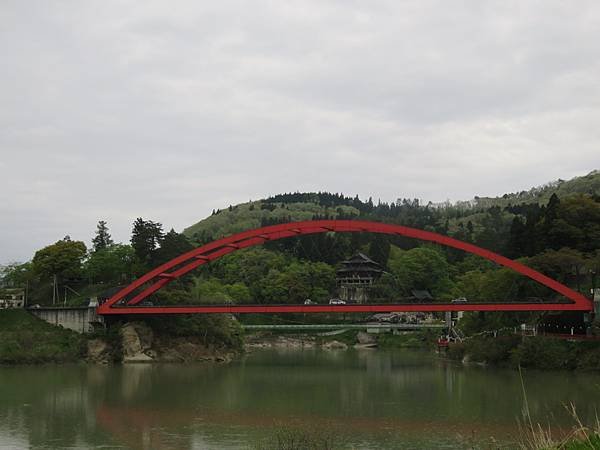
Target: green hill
{"type": "Point", "coordinates": [251, 215]}
{"type": "Point", "coordinates": [307, 206]}
{"type": "Point", "coordinates": [587, 184]}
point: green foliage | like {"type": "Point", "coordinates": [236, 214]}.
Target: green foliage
{"type": "Point", "coordinates": [145, 238]}
{"type": "Point", "coordinates": [25, 339]}
{"type": "Point", "coordinates": [494, 229]}
{"type": "Point", "coordinates": [172, 245]}
{"type": "Point", "coordinates": [590, 442]}
{"type": "Point", "coordinates": [254, 214]}
{"type": "Point", "coordinates": [491, 285]}
{"type": "Point", "coordinates": [491, 350]}
{"type": "Point", "coordinates": [423, 339]}
{"type": "Point", "coordinates": [456, 351]}
{"type": "Point", "coordinates": [214, 291]}
{"type": "Point", "coordinates": [218, 330]}
{"type": "Point", "coordinates": [575, 224]}
{"type": "Point", "coordinates": [16, 275]}
{"type": "Point", "coordinates": [545, 353]}
{"type": "Point", "coordinates": [272, 277]}
{"type": "Point", "coordinates": [422, 268]}
{"type": "Point", "coordinates": [385, 289]}
{"type": "Point", "coordinates": [63, 259]}
{"type": "Point", "coordinates": [539, 352]}
{"type": "Point", "coordinates": [478, 321]}
{"type": "Point", "coordinates": [102, 239]}
{"type": "Point", "coordinates": [114, 263]}
{"type": "Point", "coordinates": [565, 265]}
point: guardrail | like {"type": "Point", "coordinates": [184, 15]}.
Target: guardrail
{"type": "Point", "coordinates": [364, 326]}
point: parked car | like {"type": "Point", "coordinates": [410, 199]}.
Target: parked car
{"type": "Point", "coordinates": [336, 301]}
{"type": "Point", "coordinates": [308, 301]}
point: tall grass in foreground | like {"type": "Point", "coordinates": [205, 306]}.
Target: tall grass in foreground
{"type": "Point", "coordinates": [536, 437]}
{"type": "Point", "coordinates": [294, 439]}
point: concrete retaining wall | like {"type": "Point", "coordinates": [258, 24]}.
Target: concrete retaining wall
{"type": "Point", "coordinates": [81, 320]}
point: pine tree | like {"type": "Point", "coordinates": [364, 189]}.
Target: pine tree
{"type": "Point", "coordinates": [172, 245]}
{"type": "Point", "coordinates": [102, 239]}
{"type": "Point", "coordinates": [146, 237]}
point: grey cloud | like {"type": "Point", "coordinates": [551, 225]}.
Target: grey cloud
{"type": "Point", "coordinates": [116, 110]}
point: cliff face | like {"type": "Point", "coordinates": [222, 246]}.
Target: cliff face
{"type": "Point", "coordinates": [140, 344]}
{"type": "Point", "coordinates": [136, 341]}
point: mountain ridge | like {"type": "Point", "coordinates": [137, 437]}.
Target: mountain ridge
{"type": "Point", "coordinates": [310, 205]}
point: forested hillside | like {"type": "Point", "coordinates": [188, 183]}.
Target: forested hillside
{"type": "Point", "coordinates": [483, 219]}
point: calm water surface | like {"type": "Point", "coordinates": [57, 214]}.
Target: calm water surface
{"type": "Point", "coordinates": [366, 399]}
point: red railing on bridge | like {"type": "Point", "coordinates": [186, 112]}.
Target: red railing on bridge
{"type": "Point", "coordinates": [128, 300]}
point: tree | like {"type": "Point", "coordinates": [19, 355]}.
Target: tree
{"type": "Point", "coordinates": [111, 264]}
{"type": "Point", "coordinates": [16, 275]}
{"type": "Point", "coordinates": [421, 268]}
{"type": "Point", "coordinates": [63, 259]}
{"type": "Point", "coordinates": [146, 237]}
{"type": "Point", "coordinates": [379, 249]}
{"type": "Point", "coordinates": [172, 244]}
{"type": "Point", "coordinates": [102, 239]}
{"type": "Point", "coordinates": [566, 265]}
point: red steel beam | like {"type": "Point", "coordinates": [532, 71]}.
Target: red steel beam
{"type": "Point", "coordinates": [156, 279]}
{"type": "Point", "coordinates": [413, 307]}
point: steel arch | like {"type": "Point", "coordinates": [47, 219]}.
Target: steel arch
{"type": "Point", "coordinates": [181, 265]}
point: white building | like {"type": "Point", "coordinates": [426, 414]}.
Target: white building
{"type": "Point", "coordinates": [12, 298]}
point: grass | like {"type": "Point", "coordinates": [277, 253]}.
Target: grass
{"type": "Point", "coordinates": [537, 437]}
{"type": "Point", "coordinates": [286, 438]}
{"type": "Point", "coordinates": [25, 339]}
{"type": "Point", "coordinates": [410, 339]}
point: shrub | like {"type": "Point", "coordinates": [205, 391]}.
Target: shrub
{"type": "Point", "coordinates": [545, 353]}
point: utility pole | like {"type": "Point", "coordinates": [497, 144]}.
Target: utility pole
{"type": "Point", "coordinates": [54, 290]}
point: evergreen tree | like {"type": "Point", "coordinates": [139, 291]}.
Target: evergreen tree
{"type": "Point", "coordinates": [172, 245]}
{"type": "Point", "coordinates": [146, 237]}
{"type": "Point", "coordinates": [102, 239]}
{"type": "Point", "coordinates": [379, 249]}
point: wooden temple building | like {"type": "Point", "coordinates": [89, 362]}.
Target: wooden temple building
{"type": "Point", "coordinates": [355, 277]}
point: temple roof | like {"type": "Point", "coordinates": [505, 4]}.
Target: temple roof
{"type": "Point", "coordinates": [360, 263]}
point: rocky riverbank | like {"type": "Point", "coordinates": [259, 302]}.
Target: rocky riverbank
{"type": "Point", "coordinates": [342, 341]}
{"type": "Point", "coordinates": [138, 343]}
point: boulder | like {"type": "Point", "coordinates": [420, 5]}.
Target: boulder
{"type": "Point", "coordinates": [335, 345]}
{"type": "Point", "coordinates": [98, 351]}
{"type": "Point", "coordinates": [365, 338]}
{"type": "Point", "coordinates": [136, 341]}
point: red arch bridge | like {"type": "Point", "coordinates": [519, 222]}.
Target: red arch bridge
{"type": "Point", "coordinates": [130, 300]}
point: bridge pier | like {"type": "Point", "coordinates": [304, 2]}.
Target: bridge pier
{"type": "Point", "coordinates": [83, 319]}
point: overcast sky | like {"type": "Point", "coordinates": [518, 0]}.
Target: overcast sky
{"type": "Point", "coordinates": [118, 109]}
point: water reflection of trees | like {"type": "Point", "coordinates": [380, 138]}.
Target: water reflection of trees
{"type": "Point", "coordinates": [135, 404]}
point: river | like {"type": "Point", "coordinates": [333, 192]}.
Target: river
{"type": "Point", "coordinates": [361, 399]}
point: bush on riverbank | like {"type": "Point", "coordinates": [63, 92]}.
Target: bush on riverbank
{"type": "Point", "coordinates": [539, 352]}
{"type": "Point", "coordinates": [425, 339]}
{"type": "Point", "coordinates": [25, 339]}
